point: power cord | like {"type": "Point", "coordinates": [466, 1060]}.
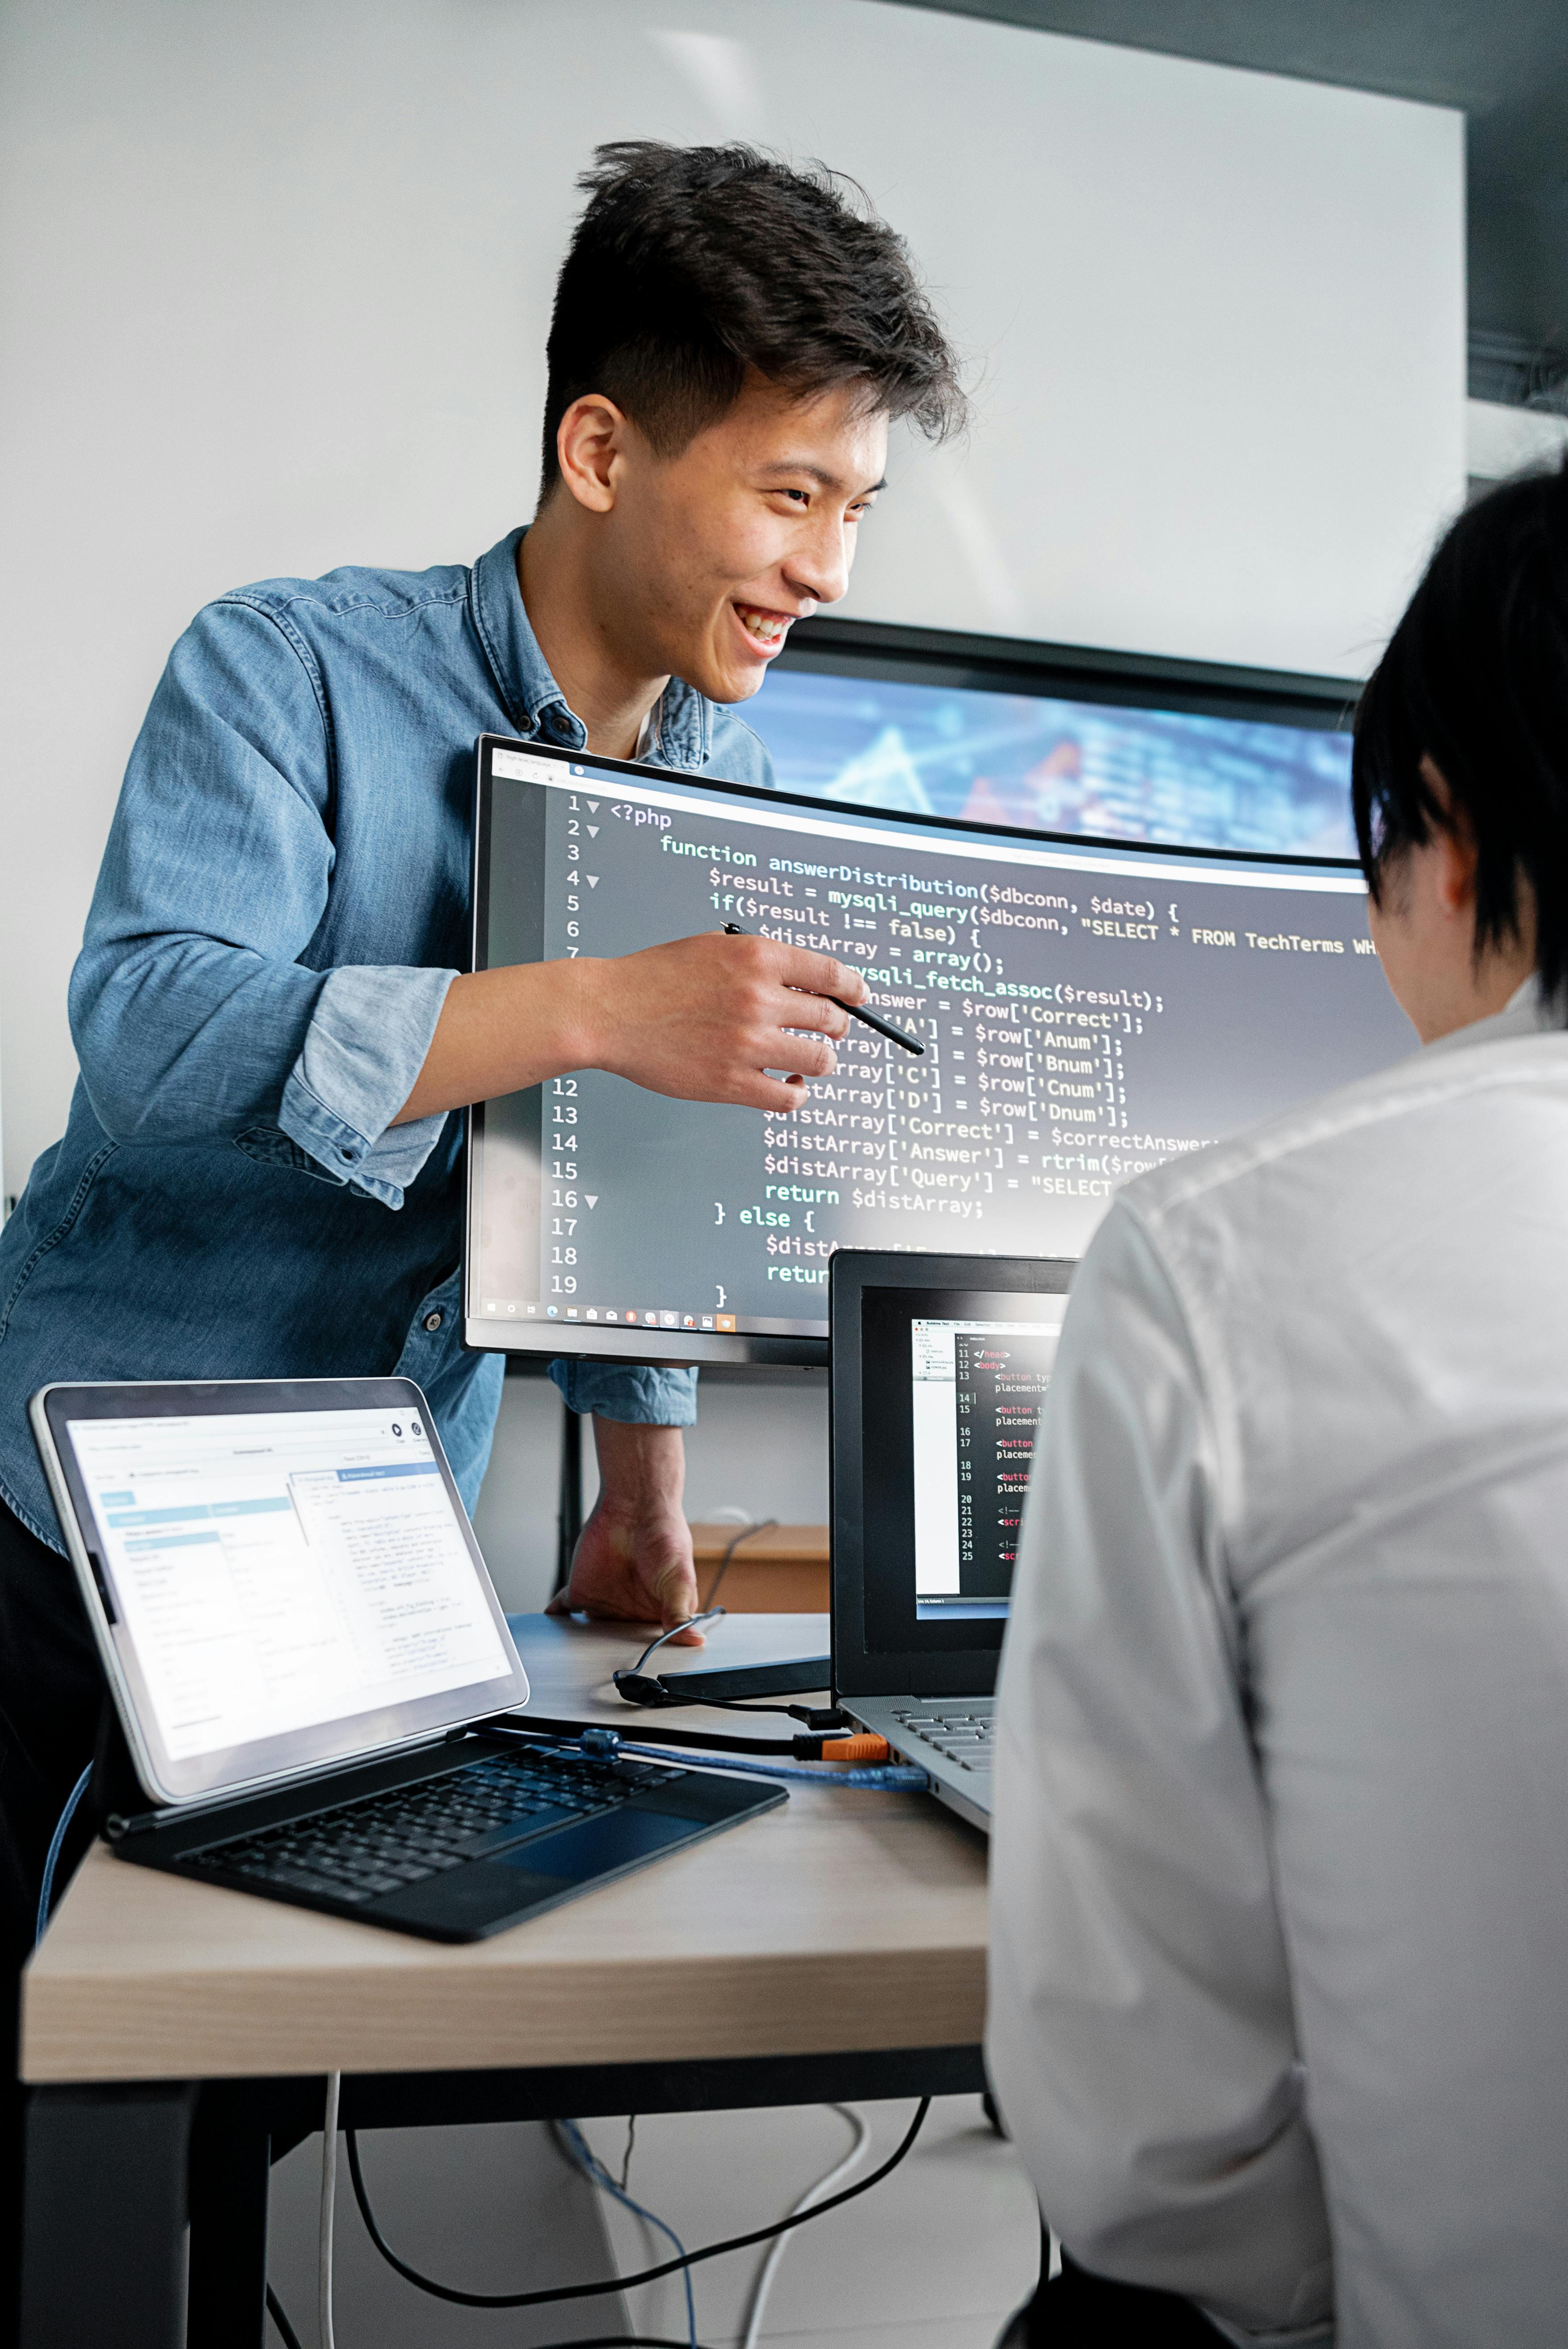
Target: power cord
{"type": "Point", "coordinates": [286, 2333]}
{"type": "Point", "coordinates": [291, 2339]}
{"type": "Point", "coordinates": [328, 2203]}
{"type": "Point", "coordinates": [47, 1889]}
{"type": "Point", "coordinates": [769, 2268]}
{"type": "Point", "coordinates": [581, 2154]}
{"type": "Point", "coordinates": [743, 1536]}
{"type": "Point", "coordinates": [626, 2283]}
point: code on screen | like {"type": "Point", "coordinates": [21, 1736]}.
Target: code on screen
{"type": "Point", "coordinates": [1087, 1013]}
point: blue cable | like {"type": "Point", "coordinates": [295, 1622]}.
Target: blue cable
{"type": "Point", "coordinates": [47, 1889]}
{"type": "Point", "coordinates": [590, 2164]}
{"type": "Point", "coordinates": [605, 1745]}
{"type": "Point", "coordinates": [898, 1776]}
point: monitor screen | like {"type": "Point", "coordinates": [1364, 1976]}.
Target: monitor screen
{"type": "Point", "coordinates": [927, 744]}
{"type": "Point", "coordinates": [1086, 1010]}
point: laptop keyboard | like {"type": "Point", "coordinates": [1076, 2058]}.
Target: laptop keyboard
{"type": "Point", "coordinates": [358, 1850]}
{"type": "Point", "coordinates": [960, 1732]}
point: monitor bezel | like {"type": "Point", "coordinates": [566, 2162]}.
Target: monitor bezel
{"type": "Point", "coordinates": [897, 654]}
{"type": "Point", "coordinates": [945, 1668]}
{"type": "Point", "coordinates": [681, 1348]}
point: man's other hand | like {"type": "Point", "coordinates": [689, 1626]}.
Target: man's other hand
{"type": "Point", "coordinates": [634, 1562]}
{"type": "Point", "coordinates": [703, 1018]}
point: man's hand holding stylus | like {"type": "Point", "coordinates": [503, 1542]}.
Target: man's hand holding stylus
{"type": "Point", "coordinates": [701, 1019]}
{"type": "Point", "coordinates": [704, 1018]}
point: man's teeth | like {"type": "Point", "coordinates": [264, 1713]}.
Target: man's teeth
{"type": "Point", "coordinates": [764, 626]}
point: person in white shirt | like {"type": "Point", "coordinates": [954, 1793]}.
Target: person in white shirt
{"type": "Point", "coordinates": [1279, 1978]}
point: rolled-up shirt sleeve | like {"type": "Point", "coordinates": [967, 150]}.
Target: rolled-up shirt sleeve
{"type": "Point", "coordinates": [1141, 2036]}
{"type": "Point", "coordinates": [366, 1044]}
{"type": "Point", "coordinates": [634, 1393]}
{"type": "Point", "coordinates": [194, 1016]}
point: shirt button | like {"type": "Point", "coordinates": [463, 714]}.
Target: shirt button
{"type": "Point", "coordinates": [349, 1152]}
{"type": "Point", "coordinates": [433, 1322]}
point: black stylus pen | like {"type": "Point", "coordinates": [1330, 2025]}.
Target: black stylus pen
{"type": "Point", "coordinates": [883, 1027]}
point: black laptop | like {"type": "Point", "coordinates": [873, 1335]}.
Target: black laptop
{"type": "Point", "coordinates": [309, 1665]}
{"type": "Point", "coordinates": [939, 1365]}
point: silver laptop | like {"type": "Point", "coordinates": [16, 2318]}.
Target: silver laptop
{"type": "Point", "coordinates": [938, 1365]}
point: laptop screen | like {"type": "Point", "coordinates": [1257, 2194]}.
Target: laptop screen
{"type": "Point", "coordinates": [283, 1587]}
{"type": "Point", "coordinates": [975, 1391]}
{"type": "Point", "coordinates": [933, 1440]}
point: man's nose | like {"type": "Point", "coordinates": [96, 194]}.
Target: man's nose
{"type": "Point", "coordinates": [820, 567]}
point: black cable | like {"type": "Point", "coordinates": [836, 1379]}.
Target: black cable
{"type": "Point", "coordinates": [744, 1535]}
{"type": "Point", "coordinates": [803, 1749]}
{"type": "Point", "coordinates": [275, 2311]}
{"type": "Point", "coordinates": [617, 2284]}
{"type": "Point", "coordinates": [623, 2340]}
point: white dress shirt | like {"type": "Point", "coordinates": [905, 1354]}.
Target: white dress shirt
{"type": "Point", "coordinates": [1279, 1986]}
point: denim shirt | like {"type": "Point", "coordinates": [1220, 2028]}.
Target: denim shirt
{"type": "Point", "coordinates": [282, 904]}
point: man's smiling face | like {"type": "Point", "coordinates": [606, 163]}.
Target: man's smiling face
{"type": "Point", "coordinates": [712, 553]}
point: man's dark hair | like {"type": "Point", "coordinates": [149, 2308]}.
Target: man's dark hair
{"type": "Point", "coordinates": [691, 264]}
{"type": "Point", "coordinates": [1475, 679]}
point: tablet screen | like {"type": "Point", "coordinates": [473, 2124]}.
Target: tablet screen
{"type": "Point", "coordinates": [284, 1586]}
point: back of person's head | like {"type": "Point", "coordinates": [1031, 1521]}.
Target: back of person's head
{"type": "Point", "coordinates": [1475, 682]}
{"type": "Point", "coordinates": [691, 265]}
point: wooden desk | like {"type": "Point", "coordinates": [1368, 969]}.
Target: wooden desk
{"type": "Point", "coordinates": [176, 2032]}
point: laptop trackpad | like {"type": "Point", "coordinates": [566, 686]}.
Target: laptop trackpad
{"type": "Point", "coordinates": [616, 1839]}
{"type": "Point", "coordinates": [539, 1873]}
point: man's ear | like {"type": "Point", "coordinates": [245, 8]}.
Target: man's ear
{"type": "Point", "coordinates": [589, 439]}
{"type": "Point", "coordinates": [1452, 842]}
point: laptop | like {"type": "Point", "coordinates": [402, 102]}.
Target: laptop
{"type": "Point", "coordinates": [310, 1669]}
{"type": "Point", "coordinates": [938, 1365]}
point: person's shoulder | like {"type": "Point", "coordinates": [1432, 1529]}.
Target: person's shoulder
{"type": "Point", "coordinates": [353, 591]}
{"type": "Point", "coordinates": [1430, 1090]}
{"type": "Point", "coordinates": [737, 752]}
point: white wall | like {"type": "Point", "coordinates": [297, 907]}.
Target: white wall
{"type": "Point", "coordinates": [1501, 440]}
{"type": "Point", "coordinates": [275, 275]}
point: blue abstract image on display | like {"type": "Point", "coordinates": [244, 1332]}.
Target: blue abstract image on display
{"type": "Point", "coordinates": [1091, 767]}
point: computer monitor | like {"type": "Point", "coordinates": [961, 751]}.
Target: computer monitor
{"type": "Point", "coordinates": [1088, 1009]}
{"type": "Point", "coordinates": [1060, 738]}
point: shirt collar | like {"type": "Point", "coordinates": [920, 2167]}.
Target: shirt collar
{"type": "Point", "coordinates": [1526, 1013]}
{"type": "Point", "coordinates": [683, 718]}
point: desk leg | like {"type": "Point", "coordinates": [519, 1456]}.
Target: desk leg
{"type": "Point", "coordinates": [230, 2160]}
{"type": "Point", "coordinates": [104, 2217]}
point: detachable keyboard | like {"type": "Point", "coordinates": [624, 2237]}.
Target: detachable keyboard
{"type": "Point", "coordinates": [467, 1839]}
{"type": "Point", "coordinates": [359, 1850]}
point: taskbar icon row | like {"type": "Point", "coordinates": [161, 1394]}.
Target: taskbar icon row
{"type": "Point", "coordinates": [503, 1309]}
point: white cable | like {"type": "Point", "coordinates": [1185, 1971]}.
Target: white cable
{"type": "Point", "coordinates": [776, 2249]}
{"type": "Point", "coordinates": [328, 2198]}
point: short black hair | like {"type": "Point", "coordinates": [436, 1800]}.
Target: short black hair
{"type": "Point", "coordinates": [691, 264]}
{"type": "Point", "coordinates": [1475, 678]}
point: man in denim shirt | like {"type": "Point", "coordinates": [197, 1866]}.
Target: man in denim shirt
{"type": "Point", "coordinates": [262, 1175]}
